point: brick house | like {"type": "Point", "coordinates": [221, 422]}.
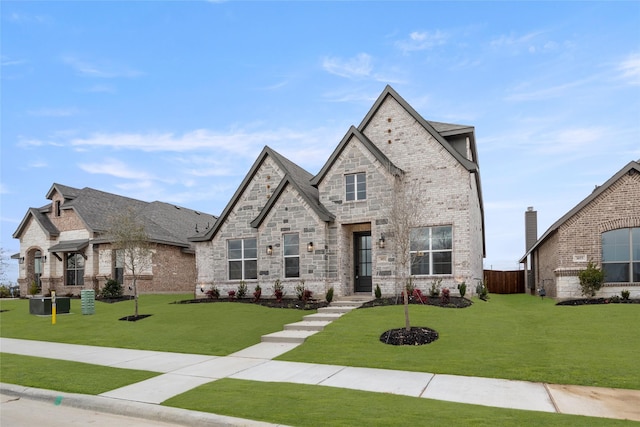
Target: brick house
{"type": "Point", "coordinates": [63, 245]}
{"type": "Point", "coordinates": [336, 229]}
{"type": "Point", "coordinates": [603, 228]}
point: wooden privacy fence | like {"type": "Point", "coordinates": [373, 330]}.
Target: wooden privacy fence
{"type": "Point", "coordinates": [504, 282]}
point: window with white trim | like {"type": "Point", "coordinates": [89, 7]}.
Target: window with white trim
{"type": "Point", "coordinates": [356, 186]}
{"type": "Point", "coordinates": [291, 255]}
{"type": "Point", "coordinates": [242, 255]}
{"type": "Point", "coordinates": [621, 255]}
{"type": "Point", "coordinates": [74, 269]}
{"type": "Point", "coordinates": [431, 250]}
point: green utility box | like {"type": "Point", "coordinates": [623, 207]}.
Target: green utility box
{"type": "Point", "coordinates": [41, 306]}
{"type": "Point", "coordinates": [88, 301]}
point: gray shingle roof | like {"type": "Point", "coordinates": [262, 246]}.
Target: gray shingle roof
{"type": "Point", "coordinates": [164, 222]}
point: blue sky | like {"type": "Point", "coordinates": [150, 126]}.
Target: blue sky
{"type": "Point", "coordinates": [173, 101]}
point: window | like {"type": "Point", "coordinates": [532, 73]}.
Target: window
{"type": "Point", "coordinates": [621, 255]}
{"type": "Point", "coordinates": [243, 259]}
{"type": "Point", "coordinates": [291, 255]}
{"type": "Point", "coordinates": [431, 250]}
{"type": "Point", "coordinates": [356, 186]}
{"type": "Point", "coordinates": [75, 269]}
{"type": "Point", "coordinates": [57, 207]}
{"type": "Point", "coordinates": [118, 266]}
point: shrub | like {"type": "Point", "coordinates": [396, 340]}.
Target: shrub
{"type": "Point", "coordinates": [214, 292]}
{"type": "Point", "coordinates": [232, 294]}
{"type": "Point", "coordinates": [278, 290]}
{"type": "Point", "coordinates": [444, 296]}
{"type": "Point", "coordinates": [378, 292]}
{"type": "Point", "coordinates": [112, 289]}
{"type": "Point", "coordinates": [462, 287]}
{"type": "Point", "coordinates": [242, 289]}
{"type": "Point", "coordinates": [33, 288]}
{"type": "Point", "coordinates": [482, 291]}
{"type": "Point", "coordinates": [435, 288]}
{"type": "Point", "coordinates": [410, 287]}
{"type": "Point", "coordinates": [257, 293]}
{"type": "Point", "coordinates": [306, 295]}
{"type": "Point", "coordinates": [300, 291]}
{"type": "Point", "coordinates": [625, 295]}
{"type": "Point", "coordinates": [591, 280]}
{"type": "Point", "coordinates": [330, 295]}
{"type": "Point", "coordinates": [4, 292]}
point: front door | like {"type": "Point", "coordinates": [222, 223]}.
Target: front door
{"type": "Point", "coordinates": [362, 261]}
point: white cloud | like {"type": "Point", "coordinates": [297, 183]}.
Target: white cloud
{"type": "Point", "coordinates": [630, 69]}
{"type": "Point", "coordinates": [104, 69]}
{"type": "Point", "coordinates": [548, 92]}
{"type": "Point", "coordinates": [54, 112]}
{"type": "Point", "coordinates": [116, 168]}
{"type": "Point", "coordinates": [422, 40]}
{"type": "Point", "coordinates": [357, 67]}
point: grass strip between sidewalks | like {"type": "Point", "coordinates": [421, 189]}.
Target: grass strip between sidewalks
{"type": "Point", "coordinates": [307, 405]}
{"type": "Point", "coordinates": [65, 376]}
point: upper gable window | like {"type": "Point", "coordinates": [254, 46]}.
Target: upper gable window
{"type": "Point", "coordinates": [57, 207]}
{"type": "Point", "coordinates": [356, 186]}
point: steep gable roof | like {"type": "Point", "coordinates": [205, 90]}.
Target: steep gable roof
{"type": "Point", "coordinates": [293, 174]}
{"type": "Point", "coordinates": [369, 145]}
{"type": "Point", "coordinates": [430, 127]}
{"type": "Point", "coordinates": [39, 216]}
{"type": "Point", "coordinates": [628, 168]}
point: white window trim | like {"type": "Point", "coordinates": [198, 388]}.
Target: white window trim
{"type": "Point", "coordinates": [290, 256]}
{"type": "Point", "coordinates": [356, 181]}
{"type": "Point", "coordinates": [429, 252]}
{"type": "Point", "coordinates": [242, 258]}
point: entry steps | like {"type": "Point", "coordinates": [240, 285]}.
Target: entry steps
{"type": "Point", "coordinates": [313, 323]}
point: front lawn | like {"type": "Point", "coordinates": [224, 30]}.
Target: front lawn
{"type": "Point", "coordinates": [511, 336]}
{"type": "Point", "coordinates": [213, 329]}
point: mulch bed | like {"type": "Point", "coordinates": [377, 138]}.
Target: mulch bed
{"type": "Point", "coordinates": [114, 300]}
{"type": "Point", "coordinates": [135, 318]}
{"type": "Point", "coordinates": [414, 336]}
{"type": "Point", "coordinates": [454, 302]}
{"type": "Point", "coordinates": [590, 301]}
{"type": "Point", "coordinates": [292, 303]}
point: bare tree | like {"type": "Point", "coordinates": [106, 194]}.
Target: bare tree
{"type": "Point", "coordinates": [404, 217]}
{"type": "Point", "coordinates": [127, 234]}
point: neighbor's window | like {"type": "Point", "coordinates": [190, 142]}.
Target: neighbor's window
{"type": "Point", "coordinates": [75, 269]}
{"type": "Point", "coordinates": [431, 250]}
{"type": "Point", "coordinates": [621, 255]}
{"type": "Point", "coordinates": [356, 186]}
{"type": "Point", "coordinates": [118, 266]}
{"type": "Point", "coordinates": [291, 255]}
{"type": "Point", "coordinates": [242, 255]}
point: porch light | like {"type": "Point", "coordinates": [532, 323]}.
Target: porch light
{"type": "Point", "coordinates": [310, 247]}
{"type": "Point", "coordinates": [44, 259]}
{"type": "Point", "coordinates": [270, 250]}
{"type": "Point", "coordinates": [201, 288]}
{"type": "Point", "coordinates": [21, 260]}
{"type": "Point", "coordinates": [381, 241]}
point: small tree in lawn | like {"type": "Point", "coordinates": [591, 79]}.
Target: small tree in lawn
{"type": "Point", "coordinates": [404, 217]}
{"type": "Point", "coordinates": [127, 234]}
{"type": "Point", "coordinates": [591, 280]}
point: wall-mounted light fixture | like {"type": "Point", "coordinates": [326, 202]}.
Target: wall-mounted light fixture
{"type": "Point", "coordinates": [21, 260]}
{"type": "Point", "coordinates": [269, 250]}
{"type": "Point", "coordinates": [44, 259]}
{"type": "Point", "coordinates": [310, 247]}
{"type": "Point", "coordinates": [381, 241]}
{"type": "Point", "coordinates": [202, 288]}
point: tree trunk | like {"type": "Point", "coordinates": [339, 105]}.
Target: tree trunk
{"type": "Point", "coordinates": [135, 296]}
{"type": "Point", "coordinates": [407, 324]}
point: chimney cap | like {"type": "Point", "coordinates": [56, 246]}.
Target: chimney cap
{"type": "Point", "coordinates": [530, 209]}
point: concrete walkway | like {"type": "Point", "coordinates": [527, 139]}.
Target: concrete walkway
{"type": "Point", "coordinates": [183, 372]}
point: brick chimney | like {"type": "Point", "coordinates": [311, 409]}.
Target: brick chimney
{"type": "Point", "coordinates": [530, 228]}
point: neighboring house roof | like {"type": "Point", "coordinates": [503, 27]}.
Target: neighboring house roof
{"type": "Point", "coordinates": [164, 223]}
{"type": "Point", "coordinates": [355, 133]}
{"type": "Point", "coordinates": [631, 166]}
{"type": "Point", "coordinates": [293, 175]}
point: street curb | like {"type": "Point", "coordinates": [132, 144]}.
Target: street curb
{"type": "Point", "coordinates": [146, 411]}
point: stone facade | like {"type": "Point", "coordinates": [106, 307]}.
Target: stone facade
{"type": "Point", "coordinates": [394, 142]}
{"type": "Point", "coordinates": [564, 250]}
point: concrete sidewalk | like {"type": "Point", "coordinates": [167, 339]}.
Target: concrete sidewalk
{"type": "Point", "coordinates": [183, 372]}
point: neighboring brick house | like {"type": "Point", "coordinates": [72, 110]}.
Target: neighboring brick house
{"type": "Point", "coordinates": [603, 228]}
{"type": "Point", "coordinates": [63, 245]}
{"type": "Point", "coordinates": [336, 229]}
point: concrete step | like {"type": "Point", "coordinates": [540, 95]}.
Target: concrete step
{"type": "Point", "coordinates": [346, 303]}
{"type": "Point", "coordinates": [307, 325]}
{"type": "Point", "coordinates": [322, 317]}
{"type": "Point", "coordinates": [331, 309]}
{"type": "Point", "coordinates": [288, 336]}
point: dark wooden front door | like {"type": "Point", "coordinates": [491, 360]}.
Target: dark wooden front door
{"type": "Point", "coordinates": [362, 261]}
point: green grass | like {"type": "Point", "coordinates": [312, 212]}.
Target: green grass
{"type": "Point", "coordinates": [307, 405]}
{"type": "Point", "coordinates": [511, 336]}
{"type": "Point", "coordinates": [212, 329]}
{"type": "Point", "coordinates": [61, 375]}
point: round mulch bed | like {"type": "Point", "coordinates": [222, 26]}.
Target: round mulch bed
{"type": "Point", "coordinates": [414, 336]}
